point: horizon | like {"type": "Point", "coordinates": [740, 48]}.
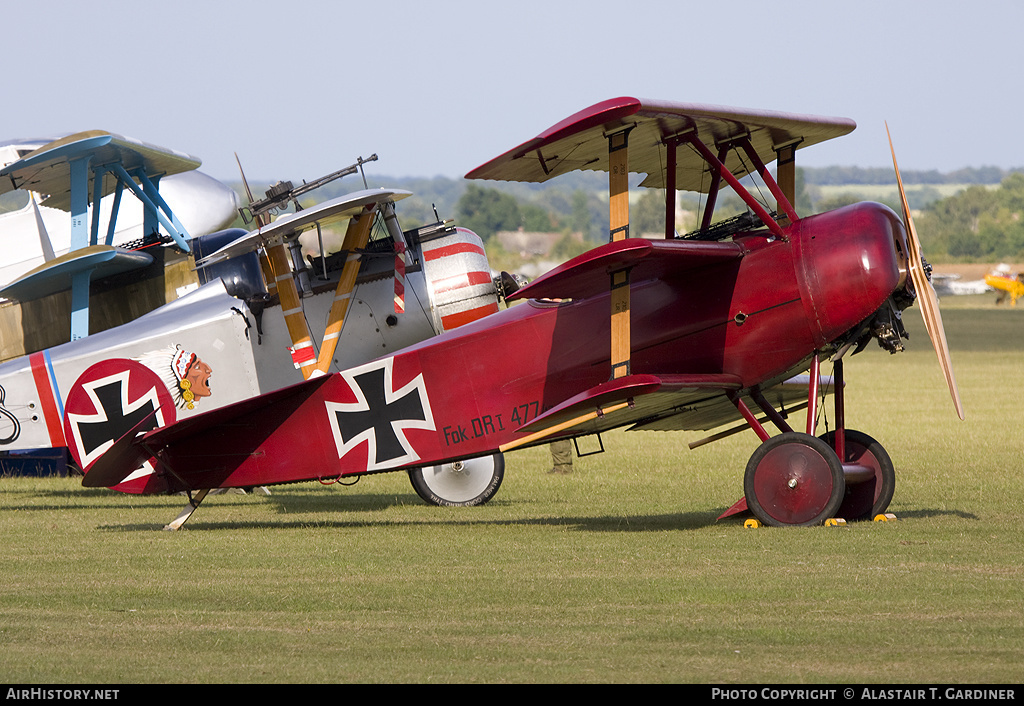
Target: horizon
{"type": "Point", "coordinates": [438, 89]}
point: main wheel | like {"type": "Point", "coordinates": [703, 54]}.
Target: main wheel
{"type": "Point", "coordinates": [865, 500]}
{"type": "Point", "coordinates": [794, 479]}
{"type": "Point", "coordinates": [460, 484]}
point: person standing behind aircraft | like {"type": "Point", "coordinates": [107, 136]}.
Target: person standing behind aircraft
{"type": "Point", "coordinates": [561, 457]}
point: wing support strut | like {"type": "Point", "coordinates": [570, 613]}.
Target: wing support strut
{"type": "Point", "coordinates": [356, 236]}
{"type": "Point", "coordinates": [618, 221]}
{"type": "Point", "coordinates": [303, 353]}
{"type": "Point", "coordinates": [719, 170]}
{"type": "Point", "coordinates": [79, 159]}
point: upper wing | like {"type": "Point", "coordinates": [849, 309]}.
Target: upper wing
{"type": "Point", "coordinates": [47, 170]}
{"type": "Point", "coordinates": [336, 209]}
{"type": "Point", "coordinates": [588, 273]}
{"type": "Point", "coordinates": [580, 142]}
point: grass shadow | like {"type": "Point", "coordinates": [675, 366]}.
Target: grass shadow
{"type": "Point", "coordinates": [605, 523]}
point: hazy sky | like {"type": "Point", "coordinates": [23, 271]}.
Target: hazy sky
{"type": "Point", "coordinates": [300, 88]}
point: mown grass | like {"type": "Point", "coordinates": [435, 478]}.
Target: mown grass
{"type": "Point", "coordinates": [617, 573]}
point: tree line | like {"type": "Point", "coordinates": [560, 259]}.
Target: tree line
{"type": "Point", "coordinates": [983, 222]}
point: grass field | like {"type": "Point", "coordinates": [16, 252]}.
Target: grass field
{"type": "Point", "coordinates": [617, 573]}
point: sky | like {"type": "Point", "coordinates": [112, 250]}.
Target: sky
{"type": "Point", "coordinates": [302, 88]}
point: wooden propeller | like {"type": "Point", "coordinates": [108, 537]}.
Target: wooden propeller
{"type": "Point", "coordinates": [927, 299]}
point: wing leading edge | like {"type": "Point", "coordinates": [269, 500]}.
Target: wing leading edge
{"type": "Point", "coordinates": [47, 170]}
{"type": "Point", "coordinates": [580, 141]}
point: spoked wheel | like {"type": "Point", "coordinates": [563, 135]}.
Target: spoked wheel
{"type": "Point", "coordinates": [460, 484]}
{"type": "Point", "coordinates": [865, 500]}
{"type": "Point", "coordinates": [794, 479]}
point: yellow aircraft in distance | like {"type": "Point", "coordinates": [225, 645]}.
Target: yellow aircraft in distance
{"type": "Point", "coordinates": [1007, 285]}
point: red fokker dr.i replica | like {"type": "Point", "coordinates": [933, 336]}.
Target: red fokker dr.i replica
{"type": "Point", "coordinates": [682, 332]}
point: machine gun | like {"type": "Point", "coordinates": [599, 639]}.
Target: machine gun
{"type": "Point", "coordinates": [278, 195]}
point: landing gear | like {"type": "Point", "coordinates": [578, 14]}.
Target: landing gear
{"type": "Point", "coordinates": [794, 479]}
{"type": "Point", "coordinates": [872, 496]}
{"type": "Point", "coordinates": [460, 484]}
{"type": "Point", "coordinates": [193, 505]}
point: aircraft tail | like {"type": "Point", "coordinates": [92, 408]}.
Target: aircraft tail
{"type": "Point", "coordinates": [217, 427]}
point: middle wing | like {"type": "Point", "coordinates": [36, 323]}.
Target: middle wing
{"type": "Point", "coordinates": [587, 274]}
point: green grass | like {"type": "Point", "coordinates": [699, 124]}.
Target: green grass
{"type": "Point", "coordinates": [617, 573]}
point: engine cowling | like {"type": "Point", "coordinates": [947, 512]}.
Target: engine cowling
{"type": "Point", "coordinates": [849, 265]}
{"type": "Point", "coordinates": [459, 279]}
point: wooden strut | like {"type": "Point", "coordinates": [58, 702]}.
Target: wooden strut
{"type": "Point", "coordinates": [543, 433]}
{"type": "Point", "coordinates": [356, 237]}
{"type": "Point", "coordinates": [785, 162]}
{"type": "Point", "coordinates": [291, 306]}
{"type": "Point", "coordinates": [618, 221]}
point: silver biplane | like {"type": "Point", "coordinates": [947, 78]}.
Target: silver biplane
{"type": "Point", "coordinates": [184, 323]}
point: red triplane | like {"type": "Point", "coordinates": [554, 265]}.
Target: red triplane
{"type": "Point", "coordinates": [688, 331]}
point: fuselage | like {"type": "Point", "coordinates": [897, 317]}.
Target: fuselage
{"type": "Point", "coordinates": [465, 393]}
{"type": "Point", "coordinates": [759, 317]}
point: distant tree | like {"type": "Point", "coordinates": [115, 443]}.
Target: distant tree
{"type": "Point", "coordinates": [488, 211]}
{"type": "Point", "coordinates": [568, 247]}
{"type": "Point", "coordinates": [802, 197]}
{"type": "Point", "coordinates": [537, 219]}
{"type": "Point", "coordinates": [581, 220]}
{"type": "Point", "coordinates": [647, 215]}
{"type": "Point", "coordinates": [838, 201]}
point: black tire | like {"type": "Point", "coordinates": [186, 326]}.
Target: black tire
{"type": "Point", "coordinates": [464, 483]}
{"type": "Point", "coordinates": [864, 501]}
{"type": "Point", "coordinates": [794, 480]}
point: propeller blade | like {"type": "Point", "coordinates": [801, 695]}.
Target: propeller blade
{"type": "Point", "coordinates": [927, 298]}
{"type": "Point", "coordinates": [44, 237]}
{"type": "Point", "coordinates": [248, 192]}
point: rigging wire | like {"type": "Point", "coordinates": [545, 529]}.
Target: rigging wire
{"type": "Point", "coordinates": [757, 184]}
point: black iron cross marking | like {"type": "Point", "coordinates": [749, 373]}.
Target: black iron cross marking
{"type": "Point", "coordinates": [380, 418]}
{"type": "Point", "coordinates": [111, 420]}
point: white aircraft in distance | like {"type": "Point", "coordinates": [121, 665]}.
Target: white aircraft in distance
{"type": "Point", "coordinates": [950, 284]}
{"type": "Point", "coordinates": [32, 233]}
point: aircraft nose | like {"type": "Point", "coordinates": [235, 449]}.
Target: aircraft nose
{"type": "Point", "coordinates": [850, 265]}
{"type": "Point", "coordinates": [202, 204]}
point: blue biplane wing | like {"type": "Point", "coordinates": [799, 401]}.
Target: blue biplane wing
{"type": "Point", "coordinates": [47, 170]}
{"type": "Point", "coordinates": [58, 274]}
{"type": "Point", "coordinates": [74, 171]}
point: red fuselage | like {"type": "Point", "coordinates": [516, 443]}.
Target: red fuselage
{"type": "Point", "coordinates": [759, 317]}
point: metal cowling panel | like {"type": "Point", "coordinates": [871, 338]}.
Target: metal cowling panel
{"type": "Point", "coordinates": [459, 279]}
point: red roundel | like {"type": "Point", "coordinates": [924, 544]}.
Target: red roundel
{"type": "Point", "coordinates": [110, 399]}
